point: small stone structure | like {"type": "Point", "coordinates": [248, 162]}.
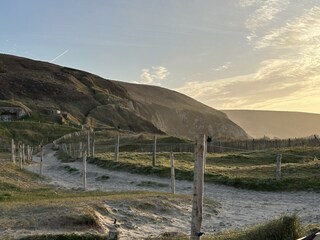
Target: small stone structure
{"type": "Point", "coordinates": [8, 114]}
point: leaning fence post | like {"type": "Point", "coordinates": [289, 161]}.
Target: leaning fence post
{"type": "Point", "coordinates": [13, 152]}
{"type": "Point", "coordinates": [154, 154]}
{"type": "Point", "coordinates": [85, 171]}
{"type": "Point", "coordinates": [278, 167]}
{"type": "Point", "coordinates": [116, 150]}
{"type": "Point", "coordinates": [198, 187]}
{"type": "Point", "coordinates": [173, 181]}
{"type": "Point", "coordinates": [41, 160]}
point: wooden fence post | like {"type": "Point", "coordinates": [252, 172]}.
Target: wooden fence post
{"type": "Point", "coordinates": [116, 150]}
{"type": "Point", "coordinates": [23, 154]}
{"type": "Point", "coordinates": [278, 167]}
{"type": "Point", "coordinates": [173, 178]}
{"type": "Point", "coordinates": [88, 143]}
{"type": "Point", "coordinates": [85, 171]}
{"type": "Point", "coordinates": [28, 153]}
{"type": "Point", "coordinates": [31, 154]}
{"type": "Point", "coordinates": [80, 150]}
{"type": "Point", "coordinates": [198, 187]}
{"type": "Point", "coordinates": [13, 152]}
{"type": "Point", "coordinates": [93, 143]}
{"type": "Point", "coordinates": [154, 154]}
{"type": "Point", "coordinates": [20, 154]}
{"type": "Point", "coordinates": [41, 160]}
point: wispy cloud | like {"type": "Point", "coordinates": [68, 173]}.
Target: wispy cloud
{"type": "Point", "coordinates": [59, 56]}
{"type": "Point", "coordinates": [222, 67]}
{"type": "Point", "coordinates": [264, 13]}
{"type": "Point", "coordinates": [289, 82]}
{"type": "Point", "coordinates": [301, 32]}
{"type": "Point", "coordinates": [149, 76]}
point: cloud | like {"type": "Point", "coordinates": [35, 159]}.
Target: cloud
{"type": "Point", "coordinates": [289, 82]}
{"type": "Point", "coordinates": [149, 76]}
{"type": "Point", "coordinates": [265, 12]}
{"type": "Point", "coordinates": [301, 32]}
{"type": "Point", "coordinates": [222, 67]}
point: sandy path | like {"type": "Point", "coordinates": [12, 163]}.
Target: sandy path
{"type": "Point", "coordinates": [238, 207]}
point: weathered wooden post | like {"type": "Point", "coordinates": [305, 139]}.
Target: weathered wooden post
{"type": "Point", "coordinates": [85, 170]}
{"type": "Point", "coordinates": [20, 154]}
{"type": "Point", "coordinates": [28, 153]}
{"type": "Point", "coordinates": [70, 150]}
{"type": "Point", "coordinates": [31, 154]}
{"type": "Point", "coordinates": [23, 154]}
{"type": "Point", "coordinates": [13, 152]}
{"type": "Point", "coordinates": [278, 167]}
{"type": "Point", "coordinates": [116, 150]}
{"type": "Point", "coordinates": [173, 177]}
{"type": "Point", "coordinates": [154, 153]}
{"type": "Point", "coordinates": [41, 160]}
{"type": "Point", "coordinates": [80, 150]}
{"type": "Point", "coordinates": [88, 143]}
{"type": "Point", "coordinates": [93, 143]}
{"type": "Point", "coordinates": [198, 187]}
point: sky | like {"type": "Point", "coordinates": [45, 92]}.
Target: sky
{"type": "Point", "coordinates": [228, 54]}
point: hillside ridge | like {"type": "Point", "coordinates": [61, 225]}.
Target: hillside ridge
{"type": "Point", "coordinates": [85, 98]}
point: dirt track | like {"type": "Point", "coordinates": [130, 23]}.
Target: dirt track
{"type": "Point", "coordinates": [238, 207]}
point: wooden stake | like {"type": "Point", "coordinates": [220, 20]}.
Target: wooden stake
{"type": "Point", "coordinates": [31, 154]}
{"type": "Point", "coordinates": [23, 154]}
{"type": "Point", "coordinates": [13, 152]}
{"type": "Point", "coordinates": [41, 160]}
{"type": "Point", "coordinates": [198, 187]}
{"type": "Point", "coordinates": [88, 143]}
{"type": "Point", "coordinates": [28, 153]}
{"type": "Point", "coordinates": [116, 150]}
{"type": "Point", "coordinates": [154, 155]}
{"type": "Point", "coordinates": [85, 171]}
{"type": "Point", "coordinates": [278, 167]}
{"type": "Point", "coordinates": [20, 154]}
{"type": "Point", "coordinates": [173, 178]}
{"type": "Point", "coordinates": [93, 143]}
{"type": "Point", "coordinates": [80, 150]}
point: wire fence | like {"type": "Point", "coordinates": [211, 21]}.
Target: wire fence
{"type": "Point", "coordinates": [75, 144]}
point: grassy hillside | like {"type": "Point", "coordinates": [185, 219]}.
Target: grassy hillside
{"type": "Point", "coordinates": [32, 133]}
{"type": "Point", "coordinates": [276, 124]}
{"type": "Point", "coordinates": [84, 98]}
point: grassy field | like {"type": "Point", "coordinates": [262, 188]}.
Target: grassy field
{"type": "Point", "coordinates": [252, 170]}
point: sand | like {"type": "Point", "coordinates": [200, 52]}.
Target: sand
{"type": "Point", "coordinates": [237, 208]}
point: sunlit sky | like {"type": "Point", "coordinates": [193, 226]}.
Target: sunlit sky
{"type": "Point", "coordinates": [228, 54]}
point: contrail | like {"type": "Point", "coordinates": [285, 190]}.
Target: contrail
{"type": "Point", "coordinates": [59, 56]}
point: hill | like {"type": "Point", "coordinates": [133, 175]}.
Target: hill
{"type": "Point", "coordinates": [59, 94]}
{"type": "Point", "coordinates": [276, 123]}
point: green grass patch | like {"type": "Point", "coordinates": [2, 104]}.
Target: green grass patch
{"type": "Point", "coordinates": [251, 170]}
{"type": "Point", "coordinates": [284, 228]}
